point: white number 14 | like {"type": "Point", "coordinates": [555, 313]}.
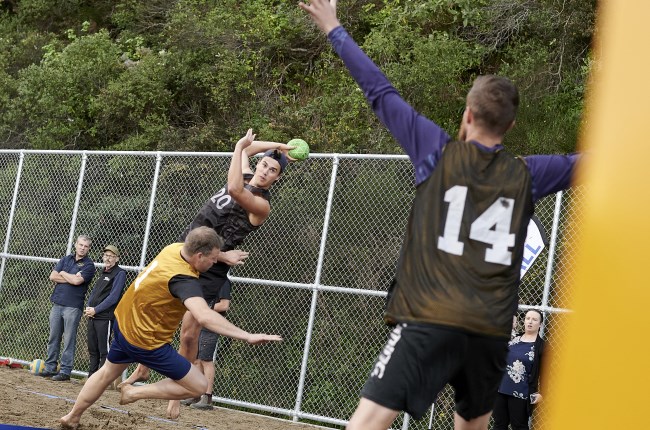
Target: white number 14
{"type": "Point", "coordinates": [491, 227]}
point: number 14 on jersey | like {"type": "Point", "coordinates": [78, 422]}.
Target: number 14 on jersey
{"type": "Point", "coordinates": [491, 227]}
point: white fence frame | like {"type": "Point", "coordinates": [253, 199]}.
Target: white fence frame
{"type": "Point", "coordinates": [317, 287]}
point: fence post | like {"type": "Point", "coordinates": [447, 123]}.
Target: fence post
{"type": "Point", "coordinates": [551, 254]}
{"type": "Point", "coordinates": [12, 211]}
{"type": "Point", "coordinates": [152, 201]}
{"type": "Point", "coordinates": [405, 423]}
{"type": "Point", "coordinates": [75, 209]}
{"type": "Point", "coordinates": [314, 297]}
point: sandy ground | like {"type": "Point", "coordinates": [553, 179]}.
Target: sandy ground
{"type": "Point", "coordinates": [30, 400]}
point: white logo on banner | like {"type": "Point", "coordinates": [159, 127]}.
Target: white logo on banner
{"type": "Point", "coordinates": [533, 247]}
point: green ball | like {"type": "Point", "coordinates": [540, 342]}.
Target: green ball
{"type": "Point", "coordinates": [301, 150]}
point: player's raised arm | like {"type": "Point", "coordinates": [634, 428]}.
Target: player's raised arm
{"type": "Point", "coordinates": [235, 172]}
{"type": "Point", "coordinates": [254, 205]}
{"type": "Point", "coordinates": [252, 148]}
{"type": "Point", "coordinates": [420, 137]}
{"type": "Point", "coordinates": [258, 146]}
{"type": "Point", "coordinates": [323, 13]}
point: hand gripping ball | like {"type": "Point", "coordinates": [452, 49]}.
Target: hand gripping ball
{"type": "Point", "coordinates": [301, 150]}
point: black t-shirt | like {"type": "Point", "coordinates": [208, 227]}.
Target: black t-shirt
{"type": "Point", "coordinates": [183, 287]}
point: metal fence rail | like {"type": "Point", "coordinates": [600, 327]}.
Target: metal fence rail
{"type": "Point", "coordinates": [317, 274]}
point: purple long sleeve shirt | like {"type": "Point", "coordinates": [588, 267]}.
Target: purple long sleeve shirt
{"type": "Point", "coordinates": [421, 138]}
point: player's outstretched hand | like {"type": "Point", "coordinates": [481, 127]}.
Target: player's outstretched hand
{"type": "Point", "coordinates": [246, 141]}
{"type": "Point", "coordinates": [234, 257]}
{"type": "Point", "coordinates": [261, 338]}
{"type": "Point", "coordinates": [323, 13]}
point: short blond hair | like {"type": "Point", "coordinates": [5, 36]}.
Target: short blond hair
{"type": "Point", "coordinates": [202, 240]}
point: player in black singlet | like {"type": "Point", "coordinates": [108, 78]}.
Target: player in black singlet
{"type": "Point", "coordinates": [236, 210]}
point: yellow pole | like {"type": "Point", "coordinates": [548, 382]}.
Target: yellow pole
{"type": "Point", "coordinates": [603, 376]}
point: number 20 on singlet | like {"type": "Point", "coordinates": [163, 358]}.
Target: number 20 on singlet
{"type": "Point", "coordinates": [491, 227]}
{"type": "Point", "coordinates": [221, 199]}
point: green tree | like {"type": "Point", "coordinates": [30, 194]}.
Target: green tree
{"type": "Point", "coordinates": [53, 97]}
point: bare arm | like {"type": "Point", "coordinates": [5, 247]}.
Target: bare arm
{"type": "Point", "coordinates": [56, 277]}
{"type": "Point", "coordinates": [254, 205]}
{"type": "Point", "coordinates": [218, 324]}
{"type": "Point", "coordinates": [258, 146]}
{"type": "Point", "coordinates": [235, 172]}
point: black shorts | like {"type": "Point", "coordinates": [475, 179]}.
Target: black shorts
{"type": "Point", "coordinates": [208, 341]}
{"type": "Point", "coordinates": [419, 360]}
{"type": "Point", "coordinates": [212, 281]}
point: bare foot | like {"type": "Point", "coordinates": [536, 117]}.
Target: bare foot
{"type": "Point", "coordinates": [173, 409]}
{"type": "Point", "coordinates": [69, 423]}
{"type": "Point", "coordinates": [116, 384]}
{"type": "Point", "coordinates": [140, 374]}
{"type": "Point", "coordinates": [126, 395]}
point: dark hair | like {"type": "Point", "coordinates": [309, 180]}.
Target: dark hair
{"type": "Point", "coordinates": [278, 156]}
{"type": "Point", "coordinates": [202, 239]}
{"type": "Point", "coordinates": [541, 315]}
{"type": "Point", "coordinates": [493, 101]}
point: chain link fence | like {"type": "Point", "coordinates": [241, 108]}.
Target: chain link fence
{"type": "Point", "coordinates": [318, 271]}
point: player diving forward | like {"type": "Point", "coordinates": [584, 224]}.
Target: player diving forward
{"type": "Point", "coordinates": [147, 318]}
{"type": "Point", "coordinates": [235, 211]}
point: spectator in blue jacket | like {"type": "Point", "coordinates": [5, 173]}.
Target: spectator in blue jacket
{"type": "Point", "coordinates": [102, 302]}
{"type": "Point", "coordinates": [71, 275]}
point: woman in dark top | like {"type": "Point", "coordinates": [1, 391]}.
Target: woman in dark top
{"type": "Point", "coordinates": [519, 386]}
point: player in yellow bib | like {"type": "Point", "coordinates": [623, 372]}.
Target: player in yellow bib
{"type": "Point", "coordinates": [235, 211]}
{"type": "Point", "coordinates": [147, 318]}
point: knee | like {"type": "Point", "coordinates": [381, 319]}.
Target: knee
{"type": "Point", "coordinates": [198, 387]}
{"type": "Point", "coordinates": [198, 391]}
{"type": "Point", "coordinates": [103, 376]}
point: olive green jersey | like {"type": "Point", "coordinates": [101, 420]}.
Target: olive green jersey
{"type": "Point", "coordinates": [460, 261]}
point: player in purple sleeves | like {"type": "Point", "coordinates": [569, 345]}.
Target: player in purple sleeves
{"type": "Point", "coordinates": [458, 272]}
